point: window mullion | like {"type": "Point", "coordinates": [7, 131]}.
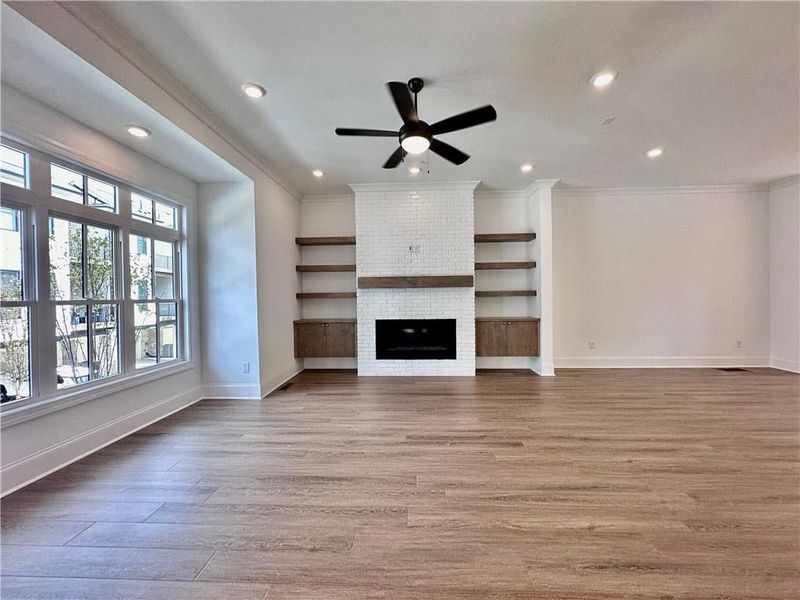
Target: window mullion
{"type": "Point", "coordinates": [89, 340]}
{"type": "Point", "coordinates": [43, 332]}
{"type": "Point", "coordinates": [128, 328]}
{"type": "Point", "coordinates": [158, 334]}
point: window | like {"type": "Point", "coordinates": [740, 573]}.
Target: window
{"type": "Point", "coordinates": [152, 278]}
{"type": "Point", "coordinates": [82, 284]}
{"type": "Point", "coordinates": [14, 312]}
{"type": "Point", "coordinates": [9, 219]}
{"type": "Point", "coordinates": [141, 208]}
{"type": "Point", "coordinates": [14, 167]}
{"type": "Point", "coordinates": [77, 187]}
{"type": "Point", "coordinates": [153, 211]}
{"type": "Point", "coordinates": [66, 184]}
{"type": "Point", "coordinates": [101, 298]}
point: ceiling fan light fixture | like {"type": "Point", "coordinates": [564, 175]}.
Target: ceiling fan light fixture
{"type": "Point", "coordinates": [415, 144]}
{"type": "Point", "coordinates": [417, 136]}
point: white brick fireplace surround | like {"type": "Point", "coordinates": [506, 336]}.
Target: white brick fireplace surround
{"type": "Point", "coordinates": [415, 230]}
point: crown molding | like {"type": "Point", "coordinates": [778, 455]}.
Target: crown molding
{"type": "Point", "coordinates": [500, 194]}
{"type": "Point", "coordinates": [415, 187]}
{"type": "Point", "coordinates": [327, 198]}
{"type": "Point", "coordinates": [784, 183]}
{"type": "Point", "coordinates": [540, 184]}
{"type": "Point", "coordinates": [567, 192]}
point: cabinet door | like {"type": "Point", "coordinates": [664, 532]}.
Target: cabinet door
{"type": "Point", "coordinates": [341, 339]}
{"type": "Point", "coordinates": [309, 340]}
{"type": "Point", "coordinates": [490, 338]}
{"type": "Point", "coordinates": [523, 338]}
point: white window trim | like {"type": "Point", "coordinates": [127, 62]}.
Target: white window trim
{"type": "Point", "coordinates": [38, 205]}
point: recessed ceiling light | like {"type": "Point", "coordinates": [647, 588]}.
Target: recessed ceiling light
{"type": "Point", "coordinates": [413, 170]}
{"type": "Point", "coordinates": [137, 131]}
{"type": "Point", "coordinates": [526, 168]}
{"type": "Point", "coordinates": [317, 173]}
{"type": "Point", "coordinates": [254, 90]}
{"type": "Point", "coordinates": [603, 78]}
{"type": "Point", "coordinates": [655, 152]}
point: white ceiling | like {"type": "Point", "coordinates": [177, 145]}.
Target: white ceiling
{"type": "Point", "coordinates": [715, 84]}
{"type": "Point", "coordinates": [37, 65]}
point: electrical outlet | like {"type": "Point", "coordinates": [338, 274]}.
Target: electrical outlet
{"type": "Point", "coordinates": [245, 367]}
{"type": "Point", "coordinates": [413, 249]}
{"type": "Point", "coordinates": [591, 345]}
{"type": "Point", "coordinates": [739, 344]}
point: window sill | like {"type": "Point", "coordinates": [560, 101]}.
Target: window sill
{"type": "Point", "coordinates": [14, 414]}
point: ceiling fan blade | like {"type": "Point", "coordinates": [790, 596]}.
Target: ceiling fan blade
{"type": "Point", "coordinates": [395, 158]}
{"type": "Point", "coordinates": [366, 132]}
{"type": "Point", "coordinates": [402, 100]}
{"type": "Point", "coordinates": [454, 155]}
{"type": "Point", "coordinates": [468, 119]}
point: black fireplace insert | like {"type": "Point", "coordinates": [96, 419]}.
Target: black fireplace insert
{"type": "Point", "coordinates": [415, 339]}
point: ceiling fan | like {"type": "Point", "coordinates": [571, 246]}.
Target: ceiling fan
{"type": "Point", "coordinates": [415, 136]}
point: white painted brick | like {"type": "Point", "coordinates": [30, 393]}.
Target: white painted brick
{"type": "Point", "coordinates": [441, 224]}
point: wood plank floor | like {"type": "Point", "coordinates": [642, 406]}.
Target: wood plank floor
{"type": "Point", "coordinates": [594, 484]}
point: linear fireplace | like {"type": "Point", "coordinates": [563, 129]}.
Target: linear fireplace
{"type": "Point", "coordinates": [415, 339]}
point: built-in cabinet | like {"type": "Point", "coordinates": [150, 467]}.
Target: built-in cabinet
{"type": "Point", "coordinates": [502, 336]}
{"type": "Point", "coordinates": [494, 336]}
{"type": "Point", "coordinates": [324, 338]}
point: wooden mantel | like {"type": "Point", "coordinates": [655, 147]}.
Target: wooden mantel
{"type": "Point", "coordinates": [417, 281]}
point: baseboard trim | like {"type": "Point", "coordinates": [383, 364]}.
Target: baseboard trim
{"type": "Point", "coordinates": [30, 468]}
{"type": "Point", "coordinates": [278, 381]}
{"type": "Point", "coordinates": [232, 391]}
{"type": "Point", "coordinates": [792, 366]}
{"type": "Point", "coordinates": [543, 369]}
{"type": "Point", "coordinates": [660, 362]}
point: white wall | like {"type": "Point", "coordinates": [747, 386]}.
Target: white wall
{"type": "Point", "coordinates": [661, 277]}
{"type": "Point", "coordinates": [277, 223]}
{"type": "Point", "coordinates": [228, 290]}
{"type": "Point", "coordinates": [784, 267]}
{"type": "Point", "coordinates": [39, 445]}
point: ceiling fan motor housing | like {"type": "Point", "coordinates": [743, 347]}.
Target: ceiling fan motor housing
{"type": "Point", "coordinates": [415, 84]}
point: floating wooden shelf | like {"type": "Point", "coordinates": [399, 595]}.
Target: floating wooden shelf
{"type": "Point", "coordinates": [326, 241]}
{"type": "Point", "coordinates": [433, 281]}
{"type": "Point", "coordinates": [501, 293]}
{"type": "Point", "coordinates": [321, 295]}
{"type": "Point", "coordinates": [324, 268]}
{"type": "Point", "coordinates": [518, 264]}
{"type": "Point", "coordinates": [484, 238]}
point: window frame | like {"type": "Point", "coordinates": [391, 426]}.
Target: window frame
{"type": "Point", "coordinates": [37, 206]}
{"type": "Point", "coordinates": [28, 275]}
